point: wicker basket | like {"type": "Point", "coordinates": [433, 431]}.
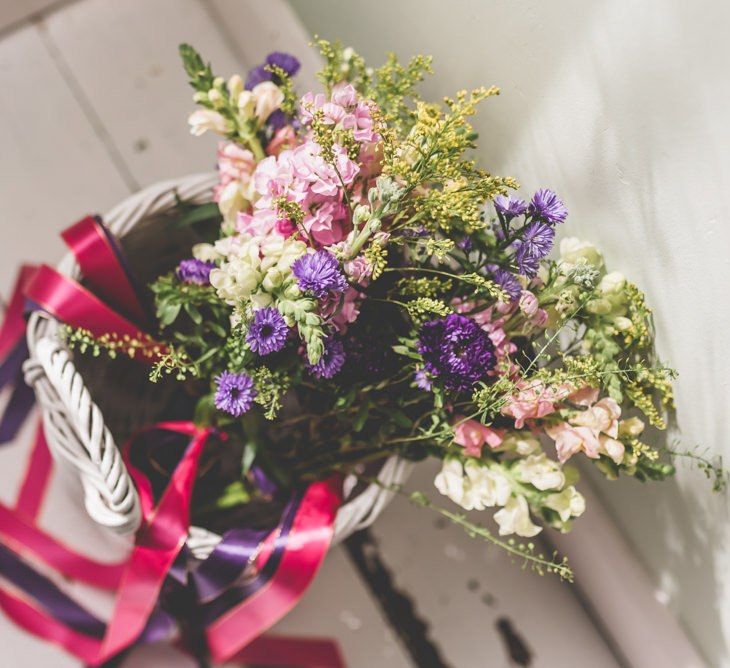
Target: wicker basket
{"type": "Point", "coordinates": [75, 428]}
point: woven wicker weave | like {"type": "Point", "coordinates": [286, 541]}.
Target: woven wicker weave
{"type": "Point", "coordinates": [76, 431]}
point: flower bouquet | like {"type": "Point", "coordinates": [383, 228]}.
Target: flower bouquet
{"type": "Point", "coordinates": [358, 295]}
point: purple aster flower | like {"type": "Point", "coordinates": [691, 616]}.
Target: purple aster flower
{"type": "Point", "coordinates": [290, 64]}
{"type": "Point", "coordinates": [536, 242]}
{"type": "Point", "coordinates": [465, 243]}
{"type": "Point", "coordinates": [507, 281]}
{"type": "Point", "coordinates": [509, 206]}
{"type": "Point", "coordinates": [548, 207]}
{"type": "Point", "coordinates": [258, 75]}
{"type": "Point", "coordinates": [423, 382]}
{"type": "Point", "coordinates": [537, 239]}
{"type": "Point", "coordinates": [235, 393]}
{"type": "Point", "coordinates": [456, 351]}
{"type": "Point", "coordinates": [194, 271]}
{"type": "Point", "coordinates": [332, 360]}
{"type": "Point", "coordinates": [267, 332]}
{"type": "Point", "coordinates": [527, 263]}
{"type": "Point", "coordinates": [277, 119]}
{"type": "Point", "coordinates": [319, 273]}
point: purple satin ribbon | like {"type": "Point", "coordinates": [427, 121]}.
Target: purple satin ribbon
{"type": "Point", "coordinates": [22, 399]}
{"type": "Point", "coordinates": [234, 595]}
{"type": "Point", "coordinates": [160, 627]}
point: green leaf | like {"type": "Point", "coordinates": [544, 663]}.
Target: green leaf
{"type": "Point", "coordinates": [196, 214]}
{"type": "Point", "coordinates": [233, 495]}
{"type": "Point", "coordinates": [361, 417]}
{"type": "Point", "coordinates": [167, 313]}
{"type": "Point", "coordinates": [249, 455]}
{"type": "Point", "coordinates": [195, 315]}
{"type": "Point", "coordinates": [399, 417]}
{"type": "Point", "coordinates": [204, 410]}
{"type": "Point", "coordinates": [407, 352]}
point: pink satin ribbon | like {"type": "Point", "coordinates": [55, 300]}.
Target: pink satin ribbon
{"type": "Point", "coordinates": [139, 579]}
{"type": "Point", "coordinates": [100, 264]}
{"type": "Point", "coordinates": [12, 330]}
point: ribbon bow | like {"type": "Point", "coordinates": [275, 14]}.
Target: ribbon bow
{"type": "Point", "coordinates": [231, 613]}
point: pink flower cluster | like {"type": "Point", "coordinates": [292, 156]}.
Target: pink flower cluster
{"type": "Point", "coordinates": [593, 430]}
{"type": "Point", "coordinates": [303, 176]}
{"type": "Point", "coordinates": [235, 169]}
{"type": "Point", "coordinates": [344, 109]}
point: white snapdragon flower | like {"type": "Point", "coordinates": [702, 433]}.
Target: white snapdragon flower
{"type": "Point", "coordinates": [572, 250]}
{"type": "Point", "coordinates": [612, 283]}
{"type": "Point", "coordinates": [231, 200]}
{"type": "Point", "coordinates": [267, 98]}
{"type": "Point", "coordinates": [568, 503]}
{"type": "Point", "coordinates": [246, 103]}
{"type": "Point", "coordinates": [515, 518]}
{"type": "Point", "coordinates": [205, 252]}
{"type": "Point", "coordinates": [450, 480]}
{"type": "Point", "coordinates": [540, 472]}
{"type": "Point", "coordinates": [202, 120]}
{"type": "Point", "coordinates": [236, 280]}
{"type": "Point", "coordinates": [521, 443]}
{"type": "Point", "coordinates": [485, 487]}
{"type": "Point", "coordinates": [472, 486]}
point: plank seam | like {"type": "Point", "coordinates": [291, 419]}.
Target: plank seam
{"type": "Point", "coordinates": [86, 105]}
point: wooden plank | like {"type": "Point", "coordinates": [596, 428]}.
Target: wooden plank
{"type": "Point", "coordinates": [254, 29]}
{"type": "Point", "coordinates": [14, 12]}
{"type": "Point", "coordinates": [478, 604]}
{"type": "Point", "coordinates": [124, 57]}
{"type": "Point", "coordinates": [54, 167]}
{"type": "Point", "coordinates": [339, 606]}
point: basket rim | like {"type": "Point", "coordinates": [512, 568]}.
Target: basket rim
{"type": "Point", "coordinates": [356, 512]}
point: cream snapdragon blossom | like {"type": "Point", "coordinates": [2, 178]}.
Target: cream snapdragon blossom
{"type": "Point", "coordinates": [540, 472]}
{"type": "Point", "coordinates": [568, 504]}
{"type": "Point", "coordinates": [515, 518]}
{"type": "Point", "coordinates": [472, 486]}
{"type": "Point", "coordinates": [253, 267]}
{"type": "Point", "coordinates": [574, 251]}
{"type": "Point", "coordinates": [202, 120]}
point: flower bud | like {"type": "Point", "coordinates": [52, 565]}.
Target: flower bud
{"type": "Point", "coordinates": [235, 86]}
{"type": "Point", "coordinates": [621, 323]}
{"type": "Point", "coordinates": [215, 97]}
{"type": "Point", "coordinates": [361, 214]}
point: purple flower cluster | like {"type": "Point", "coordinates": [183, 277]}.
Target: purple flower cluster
{"type": "Point", "coordinates": [267, 332]}
{"type": "Point", "coordinates": [332, 360]}
{"type": "Point", "coordinates": [260, 73]}
{"type": "Point", "coordinates": [535, 240]}
{"type": "Point", "coordinates": [235, 393]}
{"type": "Point", "coordinates": [535, 244]}
{"type": "Point", "coordinates": [319, 273]}
{"type": "Point", "coordinates": [546, 206]}
{"type": "Point", "coordinates": [507, 281]}
{"type": "Point", "coordinates": [194, 271]}
{"type": "Point", "coordinates": [456, 351]}
{"type": "Point", "coordinates": [509, 207]}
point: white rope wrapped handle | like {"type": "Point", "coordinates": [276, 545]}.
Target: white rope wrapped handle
{"type": "Point", "coordinates": [74, 425]}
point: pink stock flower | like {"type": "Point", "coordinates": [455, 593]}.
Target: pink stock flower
{"type": "Point", "coordinates": [261, 223]}
{"type": "Point", "coordinates": [235, 163]}
{"type": "Point", "coordinates": [528, 303]}
{"type": "Point", "coordinates": [533, 400]}
{"type": "Point", "coordinates": [342, 310]}
{"type": "Point", "coordinates": [472, 435]}
{"type": "Point", "coordinates": [326, 223]}
{"type": "Point", "coordinates": [570, 439]}
{"type": "Point", "coordinates": [593, 431]}
{"type": "Point", "coordinates": [285, 138]}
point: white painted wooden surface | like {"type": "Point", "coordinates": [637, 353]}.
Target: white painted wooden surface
{"type": "Point", "coordinates": [93, 106]}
